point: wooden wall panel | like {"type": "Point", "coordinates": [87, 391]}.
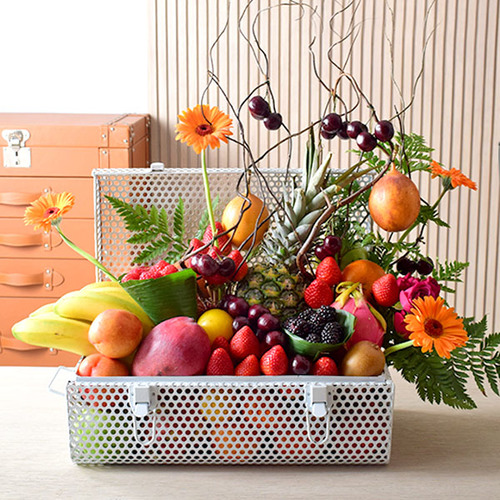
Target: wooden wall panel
{"type": "Point", "coordinates": [456, 102]}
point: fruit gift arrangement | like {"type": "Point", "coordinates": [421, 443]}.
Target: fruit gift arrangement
{"type": "Point", "coordinates": [326, 277]}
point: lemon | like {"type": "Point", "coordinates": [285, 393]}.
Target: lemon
{"type": "Point", "coordinates": [217, 323]}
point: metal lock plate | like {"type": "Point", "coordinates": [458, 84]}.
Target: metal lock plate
{"type": "Point", "coordinates": [16, 154]}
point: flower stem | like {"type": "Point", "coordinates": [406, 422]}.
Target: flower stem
{"type": "Point", "coordinates": [83, 253]}
{"type": "Point", "coordinates": [207, 196]}
{"type": "Point", "coordinates": [398, 347]}
{"type": "Point", "coordinates": [436, 203]}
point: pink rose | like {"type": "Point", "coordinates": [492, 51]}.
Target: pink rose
{"type": "Point", "coordinates": [406, 282]}
{"type": "Point", "coordinates": [400, 325]}
{"type": "Point", "coordinates": [422, 288]}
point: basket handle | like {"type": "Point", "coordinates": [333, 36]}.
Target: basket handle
{"type": "Point", "coordinates": [59, 378]}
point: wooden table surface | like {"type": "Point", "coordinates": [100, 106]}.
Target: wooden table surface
{"type": "Point", "coordinates": [437, 453]}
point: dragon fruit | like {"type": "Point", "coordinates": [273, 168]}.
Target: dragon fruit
{"type": "Point", "coordinates": [370, 324]}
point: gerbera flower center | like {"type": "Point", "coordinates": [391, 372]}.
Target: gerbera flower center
{"type": "Point", "coordinates": [433, 328]}
{"type": "Point", "coordinates": [204, 129]}
{"type": "Point", "coordinates": [51, 211]}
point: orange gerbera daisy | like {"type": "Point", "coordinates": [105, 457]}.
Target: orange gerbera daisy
{"type": "Point", "coordinates": [456, 177]}
{"type": "Point", "coordinates": [47, 209]}
{"type": "Point", "coordinates": [203, 127]}
{"type": "Point", "coordinates": [432, 325]}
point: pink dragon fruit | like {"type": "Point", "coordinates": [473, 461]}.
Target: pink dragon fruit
{"type": "Point", "coordinates": [370, 324]}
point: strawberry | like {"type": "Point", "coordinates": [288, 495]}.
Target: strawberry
{"type": "Point", "coordinates": [220, 363]}
{"type": "Point", "coordinates": [249, 367]}
{"type": "Point", "coordinates": [325, 366]}
{"type": "Point", "coordinates": [385, 290]}
{"type": "Point", "coordinates": [134, 273]}
{"type": "Point", "coordinates": [328, 270]}
{"type": "Point", "coordinates": [318, 294]}
{"type": "Point", "coordinates": [240, 273]}
{"type": "Point", "coordinates": [243, 343]}
{"type": "Point", "coordinates": [221, 342]}
{"type": "Point", "coordinates": [222, 241]}
{"type": "Point", "coordinates": [274, 362]}
{"type": "Point", "coordinates": [149, 274]}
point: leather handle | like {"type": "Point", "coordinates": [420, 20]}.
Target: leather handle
{"type": "Point", "coordinates": [18, 199]}
{"type": "Point", "coordinates": [21, 240]}
{"type": "Point", "coordinates": [18, 279]}
{"type": "Point", "coordinates": [17, 345]}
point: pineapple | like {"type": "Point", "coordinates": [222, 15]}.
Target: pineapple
{"type": "Point", "coordinates": [273, 279]}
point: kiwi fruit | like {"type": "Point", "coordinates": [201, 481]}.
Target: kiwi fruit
{"type": "Point", "coordinates": [363, 359]}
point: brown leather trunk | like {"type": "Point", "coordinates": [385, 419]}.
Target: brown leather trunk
{"type": "Point", "coordinates": [43, 153]}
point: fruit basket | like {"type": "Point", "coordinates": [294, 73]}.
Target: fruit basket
{"type": "Point", "coordinates": [230, 420]}
{"type": "Point", "coordinates": [210, 420]}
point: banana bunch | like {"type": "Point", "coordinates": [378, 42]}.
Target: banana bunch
{"type": "Point", "coordinates": [65, 324]}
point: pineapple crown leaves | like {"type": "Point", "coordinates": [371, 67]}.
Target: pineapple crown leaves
{"type": "Point", "coordinates": [445, 380]}
{"type": "Point", "coordinates": [303, 205]}
{"type": "Point", "coordinates": [151, 230]}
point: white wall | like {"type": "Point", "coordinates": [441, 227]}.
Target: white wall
{"type": "Point", "coordinates": [68, 56]}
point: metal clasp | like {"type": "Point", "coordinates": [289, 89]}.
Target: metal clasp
{"type": "Point", "coordinates": [157, 166]}
{"type": "Point", "coordinates": [142, 404]}
{"type": "Point", "coordinates": [16, 154]}
{"type": "Point", "coordinates": [317, 407]}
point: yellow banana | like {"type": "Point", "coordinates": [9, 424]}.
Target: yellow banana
{"type": "Point", "coordinates": [88, 304]}
{"type": "Point", "coordinates": [51, 330]}
{"type": "Point", "coordinates": [46, 308]}
{"type": "Point", "coordinates": [102, 284]}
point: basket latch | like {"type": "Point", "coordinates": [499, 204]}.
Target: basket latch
{"type": "Point", "coordinates": [140, 400]}
{"type": "Point", "coordinates": [316, 399]}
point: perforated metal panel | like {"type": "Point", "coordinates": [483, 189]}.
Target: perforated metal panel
{"type": "Point", "coordinates": [163, 188]}
{"type": "Point", "coordinates": [210, 420]}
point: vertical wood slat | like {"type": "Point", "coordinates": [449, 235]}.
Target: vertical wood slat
{"type": "Point", "coordinates": [455, 105]}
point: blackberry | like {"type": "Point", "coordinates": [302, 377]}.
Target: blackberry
{"type": "Point", "coordinates": [332, 333]}
{"type": "Point", "coordinates": [313, 337]}
{"type": "Point", "coordinates": [305, 314]}
{"type": "Point", "coordinates": [326, 314]}
{"type": "Point", "coordinates": [297, 326]}
{"type": "Point", "coordinates": [315, 328]}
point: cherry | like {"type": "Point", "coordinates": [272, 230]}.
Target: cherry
{"type": "Point", "coordinates": [259, 107]}
{"type": "Point", "coordinates": [227, 267]}
{"type": "Point", "coordinates": [322, 252]}
{"type": "Point", "coordinates": [273, 338]}
{"type": "Point", "coordinates": [256, 311]}
{"type": "Point", "coordinates": [237, 307]}
{"type": "Point", "coordinates": [267, 322]}
{"type": "Point", "coordinates": [239, 322]}
{"type": "Point", "coordinates": [300, 365]}
{"type": "Point", "coordinates": [273, 121]}
{"type": "Point", "coordinates": [366, 141]}
{"type": "Point", "coordinates": [333, 244]}
{"type": "Point", "coordinates": [331, 123]}
{"type": "Point", "coordinates": [355, 128]}
{"type": "Point", "coordinates": [384, 131]}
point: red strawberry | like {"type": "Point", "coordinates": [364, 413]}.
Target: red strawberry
{"type": "Point", "coordinates": [385, 290]}
{"type": "Point", "coordinates": [221, 342]}
{"type": "Point", "coordinates": [249, 367]}
{"type": "Point", "coordinates": [150, 273]}
{"type": "Point", "coordinates": [318, 294]}
{"type": "Point", "coordinates": [220, 363]}
{"type": "Point", "coordinates": [236, 256]}
{"type": "Point", "coordinates": [222, 241]}
{"type": "Point", "coordinates": [274, 362]}
{"type": "Point", "coordinates": [328, 270]}
{"type": "Point", "coordinates": [325, 366]}
{"type": "Point", "coordinates": [134, 273]}
{"type": "Point", "coordinates": [194, 245]}
{"type": "Point", "coordinates": [243, 343]}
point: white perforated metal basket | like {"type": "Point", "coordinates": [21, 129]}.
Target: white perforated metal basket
{"type": "Point", "coordinates": [216, 420]}
{"type": "Point", "coordinates": [230, 420]}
